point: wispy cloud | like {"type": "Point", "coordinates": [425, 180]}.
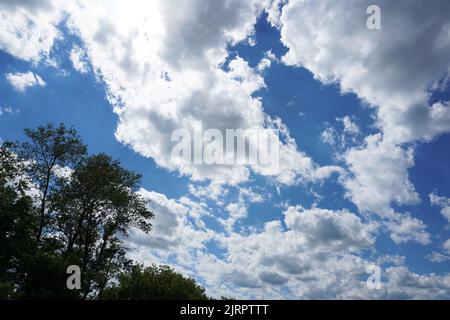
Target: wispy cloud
{"type": "Point", "coordinates": [22, 81]}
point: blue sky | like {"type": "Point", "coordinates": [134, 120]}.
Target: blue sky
{"type": "Point", "coordinates": [365, 163]}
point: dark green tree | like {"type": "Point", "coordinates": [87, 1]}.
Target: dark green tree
{"type": "Point", "coordinates": [17, 222]}
{"type": "Point", "coordinates": [49, 221]}
{"type": "Point", "coordinates": [154, 283]}
{"type": "Point", "coordinates": [94, 211]}
{"type": "Point", "coordinates": [49, 148]}
{"type": "Point", "coordinates": [46, 278]}
{"type": "Point", "coordinates": [38, 267]}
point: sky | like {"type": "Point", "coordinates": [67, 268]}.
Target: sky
{"type": "Point", "coordinates": [363, 181]}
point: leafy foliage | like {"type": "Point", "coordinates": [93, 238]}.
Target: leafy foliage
{"type": "Point", "coordinates": [92, 210]}
{"type": "Point", "coordinates": [50, 148]}
{"type": "Point", "coordinates": [17, 224]}
{"type": "Point", "coordinates": [60, 206]}
{"type": "Point", "coordinates": [155, 283]}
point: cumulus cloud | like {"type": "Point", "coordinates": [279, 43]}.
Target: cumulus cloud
{"type": "Point", "coordinates": [236, 211]}
{"type": "Point", "coordinates": [378, 179]}
{"type": "Point", "coordinates": [212, 191]}
{"type": "Point", "coordinates": [272, 278]}
{"type": "Point", "coordinates": [405, 228]}
{"type": "Point", "coordinates": [350, 126]}
{"type": "Point", "coordinates": [79, 59]}
{"type": "Point", "coordinates": [446, 246]}
{"type": "Point", "coordinates": [165, 66]}
{"type": "Point", "coordinates": [438, 257]}
{"type": "Point", "coordinates": [173, 224]}
{"type": "Point", "coordinates": [266, 62]}
{"type": "Point", "coordinates": [161, 72]}
{"type": "Point", "coordinates": [271, 259]}
{"type": "Point", "coordinates": [23, 81]}
{"type": "Point", "coordinates": [443, 256]}
{"type": "Point", "coordinates": [164, 74]}
{"type": "Point", "coordinates": [317, 250]}
{"type": "Point", "coordinates": [379, 176]}
{"type": "Point", "coordinates": [341, 138]}
{"type": "Point", "coordinates": [334, 230]}
{"type": "Point", "coordinates": [293, 258]}
{"type": "Point", "coordinates": [377, 66]}
{"type": "Point", "coordinates": [28, 27]}
{"type": "Point", "coordinates": [443, 203]}
{"type": "Point", "coordinates": [391, 69]}
{"type": "Point", "coordinates": [251, 196]}
{"type": "Point", "coordinates": [404, 284]}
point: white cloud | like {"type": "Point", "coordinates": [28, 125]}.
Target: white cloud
{"type": "Point", "coordinates": [239, 209]}
{"type": "Point", "coordinates": [163, 74]}
{"type": "Point", "coordinates": [446, 246]}
{"type": "Point", "coordinates": [79, 59]}
{"type": "Point", "coordinates": [305, 260]}
{"type": "Point", "coordinates": [331, 39]}
{"type": "Point", "coordinates": [439, 257]}
{"type": "Point", "coordinates": [329, 135]}
{"type": "Point", "coordinates": [396, 260]}
{"type": "Point", "coordinates": [316, 256]}
{"type": "Point", "coordinates": [247, 194]}
{"type": "Point", "coordinates": [390, 70]}
{"type": "Point", "coordinates": [404, 228]}
{"type": "Point", "coordinates": [266, 62]}
{"type": "Point", "coordinates": [28, 27]}
{"type": "Point", "coordinates": [342, 138]}
{"type": "Point", "coordinates": [274, 12]}
{"type": "Point", "coordinates": [339, 230]}
{"type": "Point", "coordinates": [379, 176]}
{"type": "Point", "coordinates": [161, 63]}
{"type": "Point", "coordinates": [177, 237]}
{"type": "Point", "coordinates": [212, 191]}
{"type": "Point", "coordinates": [125, 47]}
{"type": "Point", "coordinates": [350, 127]}
{"type": "Point", "coordinates": [5, 110]}
{"type": "Point", "coordinates": [236, 211]}
{"type": "Point", "coordinates": [22, 81]}
{"type": "Point", "coordinates": [404, 284]}
{"type": "Point", "coordinates": [270, 260]}
{"type": "Point", "coordinates": [443, 203]}
{"type": "Point", "coordinates": [173, 224]}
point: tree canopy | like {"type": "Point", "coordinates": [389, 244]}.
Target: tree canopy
{"type": "Point", "coordinates": [155, 283]}
{"type": "Point", "coordinates": [60, 206]}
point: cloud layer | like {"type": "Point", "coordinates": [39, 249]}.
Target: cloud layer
{"type": "Point", "coordinates": [22, 81]}
{"type": "Point", "coordinates": [166, 65]}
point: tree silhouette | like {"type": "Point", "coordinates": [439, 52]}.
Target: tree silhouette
{"type": "Point", "coordinates": [50, 148]}
{"type": "Point", "coordinates": [60, 206]}
{"type": "Point", "coordinates": [154, 283]}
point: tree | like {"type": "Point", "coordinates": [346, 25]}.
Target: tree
{"type": "Point", "coordinates": [50, 148]}
{"type": "Point", "coordinates": [93, 211]}
{"type": "Point", "coordinates": [46, 278]}
{"type": "Point", "coordinates": [80, 218]}
{"type": "Point", "coordinates": [154, 283]}
{"type": "Point", "coordinates": [49, 220]}
{"type": "Point", "coordinates": [17, 222]}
